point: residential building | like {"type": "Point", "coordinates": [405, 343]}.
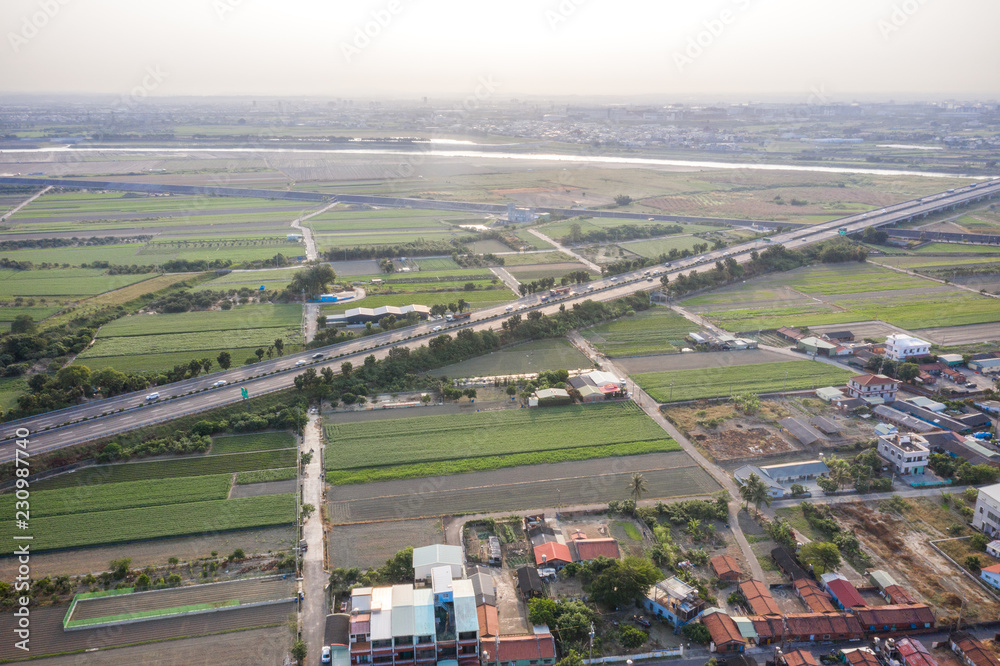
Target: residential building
{"type": "Point", "coordinates": [906, 454]}
{"type": "Point", "coordinates": [787, 563]}
{"type": "Point", "coordinates": [529, 583]}
{"type": "Point", "coordinates": [337, 636]}
{"type": "Point", "coordinates": [794, 658]}
{"type": "Point", "coordinates": [774, 488]}
{"type": "Point", "coordinates": [844, 594]}
{"type": "Point", "coordinates": [673, 600]}
{"type": "Point", "coordinates": [986, 366]}
{"type": "Point", "coordinates": [726, 636]}
{"type": "Point", "coordinates": [897, 595]}
{"type": "Point", "coordinates": [895, 619]}
{"type": "Point", "coordinates": [428, 558]}
{"type": "Point", "coordinates": [901, 347]}
{"type": "Point", "coordinates": [759, 598]}
{"type": "Point", "coordinates": [951, 359]}
{"type": "Point", "coordinates": [881, 579]}
{"type": "Point", "coordinates": [552, 554]}
{"type": "Point", "coordinates": [991, 575]}
{"type": "Point", "coordinates": [790, 334]}
{"type": "Point", "coordinates": [550, 397]}
{"type": "Point", "coordinates": [489, 621]}
{"type": "Point", "coordinates": [812, 596]}
{"type": "Point", "coordinates": [905, 651]}
{"type": "Point", "coordinates": [726, 568]}
{"type": "Point", "coordinates": [971, 650]}
{"type": "Point", "coordinates": [933, 418]}
{"type": "Point", "coordinates": [993, 549]}
{"type": "Point", "coordinates": [987, 513]}
{"type": "Point", "coordinates": [537, 649]}
{"type": "Point", "coordinates": [860, 657]}
{"type": "Point", "coordinates": [483, 586]}
{"type": "Point", "coordinates": [900, 419]}
{"type": "Point", "coordinates": [589, 549]}
{"type": "Point", "coordinates": [872, 386]}
{"type": "Point", "coordinates": [404, 624]}
{"type": "Point", "coordinates": [798, 627]}
{"type": "Point", "coordinates": [797, 471]}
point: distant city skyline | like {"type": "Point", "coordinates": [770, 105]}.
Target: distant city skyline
{"type": "Point", "coordinates": [729, 50]}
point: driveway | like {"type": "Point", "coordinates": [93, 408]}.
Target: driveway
{"type": "Point", "coordinates": [314, 577]}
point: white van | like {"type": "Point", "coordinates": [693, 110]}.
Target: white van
{"type": "Point", "coordinates": [153, 396]}
{"type": "Point", "coordinates": [509, 308]}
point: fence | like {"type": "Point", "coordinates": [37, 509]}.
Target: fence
{"type": "Point", "coordinates": [657, 654]}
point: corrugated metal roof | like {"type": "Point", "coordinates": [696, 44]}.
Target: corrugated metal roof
{"type": "Point", "coordinates": [466, 618]}
{"type": "Point", "coordinates": [423, 612]}
{"type": "Point", "coordinates": [361, 598]}
{"type": "Point", "coordinates": [800, 430]}
{"type": "Point", "coordinates": [441, 581]}
{"type": "Point", "coordinates": [402, 610]}
{"type": "Point", "coordinates": [381, 614]}
{"type": "Point", "coordinates": [437, 554]}
{"type": "Point", "coordinates": [881, 578]}
{"type": "Point", "coordinates": [746, 627]}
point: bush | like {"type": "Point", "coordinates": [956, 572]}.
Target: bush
{"type": "Point", "coordinates": [632, 637]}
{"type": "Point", "coordinates": [696, 632]}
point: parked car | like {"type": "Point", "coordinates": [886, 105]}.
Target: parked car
{"type": "Point", "coordinates": [641, 621]}
{"type": "Point", "coordinates": [325, 657]}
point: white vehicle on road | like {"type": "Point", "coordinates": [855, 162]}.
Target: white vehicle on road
{"type": "Point", "coordinates": [435, 329]}
{"type": "Point", "coordinates": [221, 382]}
{"type": "Point", "coordinates": [299, 362]}
{"type": "Point", "coordinates": [153, 396]}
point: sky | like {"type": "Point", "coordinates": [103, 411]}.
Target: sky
{"type": "Point", "coordinates": [754, 49]}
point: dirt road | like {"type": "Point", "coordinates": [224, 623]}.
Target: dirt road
{"type": "Point", "coordinates": [314, 577]}
{"type": "Point", "coordinates": [562, 248]}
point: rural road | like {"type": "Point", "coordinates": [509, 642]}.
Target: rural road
{"type": "Point", "coordinates": [652, 409]}
{"type": "Point", "coordinates": [507, 278]}
{"type": "Point", "coordinates": [314, 578]}
{"type": "Point", "coordinates": [27, 201]}
{"type": "Point", "coordinates": [562, 248]}
{"type": "Point", "coordinates": [312, 254]}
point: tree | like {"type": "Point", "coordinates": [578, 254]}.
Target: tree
{"type": "Point", "coordinates": [206, 364]}
{"type": "Point", "coordinates": [755, 491]}
{"type": "Point", "coordinates": [259, 353]}
{"type": "Point", "coordinates": [637, 487]}
{"type": "Point", "coordinates": [632, 637]}
{"type": "Point", "coordinates": [299, 651]}
{"type": "Point", "coordinates": [23, 324]}
{"type": "Point", "coordinates": [907, 372]}
{"type": "Point", "coordinates": [798, 490]}
{"type": "Point", "coordinates": [575, 232]}
{"type": "Point", "coordinates": [279, 346]}
{"type": "Point", "coordinates": [143, 582]}
{"type": "Point", "coordinates": [624, 582]}
{"type": "Point", "coordinates": [820, 554]}
{"type": "Point", "coordinates": [73, 376]}
{"type": "Point", "coordinates": [470, 393]}
{"type": "Point", "coordinates": [313, 280]}
{"type": "Point", "coordinates": [840, 471]}
{"type": "Point", "coordinates": [543, 611]}
{"type": "Point", "coordinates": [120, 567]}
{"type": "Point", "coordinates": [973, 564]}
{"type": "Point", "coordinates": [225, 359]}
{"type": "Point", "coordinates": [345, 368]}
{"type": "Point", "coordinates": [623, 200]}
{"type": "Point", "coordinates": [978, 542]}
{"type": "Point", "coordinates": [571, 659]}
{"type": "Point", "coordinates": [696, 632]}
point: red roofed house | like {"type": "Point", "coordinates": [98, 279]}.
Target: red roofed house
{"type": "Point", "coordinates": [991, 575]}
{"type": "Point", "coordinates": [726, 567]}
{"type": "Point", "coordinates": [538, 649]}
{"type": "Point", "coordinates": [897, 595]}
{"type": "Point", "coordinates": [893, 619]}
{"type": "Point", "coordinates": [844, 594]}
{"type": "Point", "coordinates": [872, 386]}
{"type": "Point", "coordinates": [816, 599]}
{"type": "Point", "coordinates": [909, 652]}
{"type": "Point", "coordinates": [818, 627]}
{"type": "Point", "coordinates": [795, 658]}
{"type": "Point", "coordinates": [589, 549]}
{"type": "Point", "coordinates": [759, 598]}
{"type": "Point", "coordinates": [552, 554]}
{"type": "Point", "coordinates": [726, 636]}
{"type": "Point", "coordinates": [489, 621]}
{"type": "Point", "coordinates": [861, 657]}
{"type": "Point", "coordinates": [971, 650]}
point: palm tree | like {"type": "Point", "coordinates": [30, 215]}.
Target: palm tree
{"type": "Point", "coordinates": [637, 487]}
{"type": "Point", "coordinates": [840, 471]}
{"type": "Point", "coordinates": [754, 491]}
{"type": "Point", "coordinates": [694, 527]}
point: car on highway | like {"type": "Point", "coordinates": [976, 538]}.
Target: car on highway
{"type": "Point", "coordinates": [522, 306]}
{"type": "Point", "coordinates": [221, 382]}
{"type": "Point", "coordinates": [614, 279]}
{"type": "Point", "coordinates": [649, 279]}
{"type": "Point", "coordinates": [317, 356]}
{"type": "Point", "coordinates": [153, 396]}
{"type": "Point", "coordinates": [509, 308]}
{"type": "Point", "coordinates": [435, 329]}
{"type": "Point", "coordinates": [299, 362]}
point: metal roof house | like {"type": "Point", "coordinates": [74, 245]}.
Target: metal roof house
{"type": "Point", "coordinates": [674, 600]}
{"type": "Point", "coordinates": [427, 558]}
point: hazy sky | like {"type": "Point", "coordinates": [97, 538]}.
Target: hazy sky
{"type": "Point", "coordinates": [802, 49]}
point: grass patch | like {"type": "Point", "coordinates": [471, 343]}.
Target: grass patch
{"type": "Point", "coordinates": [527, 357]}
{"type": "Point", "coordinates": [655, 331]}
{"type": "Point", "coordinates": [265, 475]}
{"type": "Point", "coordinates": [154, 612]}
{"type": "Point", "coordinates": [756, 378]}
{"type": "Point", "coordinates": [261, 441]}
{"type": "Point", "coordinates": [630, 530]}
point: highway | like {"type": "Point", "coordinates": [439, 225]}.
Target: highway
{"type": "Point", "coordinates": [102, 418]}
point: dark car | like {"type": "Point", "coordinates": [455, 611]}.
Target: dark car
{"type": "Point", "coordinates": [641, 621]}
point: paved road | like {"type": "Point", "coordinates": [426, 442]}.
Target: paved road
{"type": "Point", "coordinates": [27, 201]}
{"type": "Point", "coordinates": [562, 248]}
{"type": "Point", "coordinates": [507, 278]}
{"type": "Point", "coordinates": [652, 409]}
{"type": "Point", "coordinates": [314, 577]}
{"type": "Point", "coordinates": [127, 412]}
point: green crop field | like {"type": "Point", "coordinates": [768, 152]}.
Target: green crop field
{"type": "Point", "coordinates": [654, 248]}
{"type": "Point", "coordinates": [265, 475]}
{"type": "Point", "coordinates": [241, 317]}
{"type": "Point", "coordinates": [957, 248]}
{"type": "Point", "coordinates": [655, 331]}
{"type": "Point", "coordinates": [913, 263]}
{"type": "Point", "coordinates": [438, 264]}
{"type": "Point", "coordinates": [416, 441]}
{"type": "Point", "coordinates": [535, 258]}
{"type": "Point", "coordinates": [478, 299]}
{"type": "Point", "coordinates": [556, 354]}
{"type": "Point", "coordinates": [127, 495]}
{"type": "Point", "coordinates": [10, 389]}
{"type": "Point", "coordinates": [258, 441]}
{"type": "Point", "coordinates": [155, 362]}
{"type": "Point", "coordinates": [61, 282]}
{"type": "Point", "coordinates": [533, 240]}
{"type": "Point", "coordinates": [561, 229]}
{"type": "Point", "coordinates": [173, 468]}
{"type": "Point", "coordinates": [155, 522]}
{"type": "Point", "coordinates": [679, 385]}
{"type": "Point", "coordinates": [207, 341]}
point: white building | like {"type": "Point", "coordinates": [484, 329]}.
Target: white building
{"type": "Point", "coordinates": [993, 549]}
{"type": "Point", "coordinates": [987, 516]}
{"type": "Point", "coordinates": [872, 386]}
{"type": "Point", "coordinates": [907, 454]}
{"type": "Point", "coordinates": [428, 558]}
{"type": "Point", "coordinates": [901, 347]}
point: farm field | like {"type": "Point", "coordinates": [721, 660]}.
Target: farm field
{"type": "Point", "coordinates": [477, 299]}
{"type": "Point", "coordinates": [557, 354]}
{"type": "Point", "coordinates": [350, 228]}
{"type": "Point", "coordinates": [836, 294]}
{"type": "Point", "coordinates": [60, 283]}
{"type": "Point", "coordinates": [533, 240]}
{"type": "Point", "coordinates": [560, 230]}
{"type": "Point", "coordinates": [438, 264]}
{"type": "Point", "coordinates": [537, 272]}
{"type": "Point", "coordinates": [535, 258]}
{"type": "Point", "coordinates": [410, 446]}
{"type": "Point", "coordinates": [654, 248]}
{"type": "Point", "coordinates": [259, 441]}
{"type": "Point", "coordinates": [655, 331]}
{"type": "Point", "coordinates": [369, 546]}
{"type": "Point", "coordinates": [726, 381]}
{"type": "Point", "coordinates": [672, 474]}
{"type": "Point", "coordinates": [957, 248]}
{"type": "Point", "coordinates": [264, 315]}
{"type": "Point", "coordinates": [118, 296]}
{"type": "Point", "coordinates": [917, 262]}
{"type": "Point", "coordinates": [266, 476]}
{"type": "Point", "coordinates": [158, 252]}
{"type": "Point", "coordinates": [37, 312]}
{"type": "Point", "coordinates": [10, 389]}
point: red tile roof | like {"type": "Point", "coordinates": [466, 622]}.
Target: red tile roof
{"type": "Point", "coordinates": [898, 595]}
{"type": "Point", "coordinates": [896, 616]}
{"type": "Point", "coordinates": [973, 650]}
{"type": "Point", "coordinates": [821, 624]}
{"type": "Point", "coordinates": [592, 548]}
{"type": "Point", "coordinates": [914, 653]}
{"type": "Point", "coordinates": [845, 593]}
{"type": "Point", "coordinates": [872, 380]}
{"type": "Point", "coordinates": [760, 599]}
{"type": "Point", "coordinates": [992, 569]}
{"type": "Point", "coordinates": [547, 553]}
{"type": "Point", "coordinates": [361, 623]}
{"type": "Point", "coordinates": [725, 566]}
{"type": "Point", "coordinates": [798, 658]}
{"type": "Point", "coordinates": [519, 648]}
{"type": "Point", "coordinates": [489, 620]}
{"type": "Point", "coordinates": [816, 599]}
{"type": "Point", "coordinates": [861, 657]}
{"type": "Point", "coordinates": [723, 629]}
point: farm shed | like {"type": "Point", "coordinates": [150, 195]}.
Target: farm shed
{"type": "Point", "coordinates": [726, 567]}
{"type": "Point", "coordinates": [891, 619]}
{"type": "Point", "coordinates": [796, 471]}
{"type": "Point", "coordinates": [787, 563]}
{"type": "Point", "coordinates": [845, 594]}
{"type": "Point", "coordinates": [800, 430]}
{"type": "Point", "coordinates": [483, 587]}
{"type": "Point", "coordinates": [897, 595]}
{"type": "Point", "coordinates": [824, 425]}
{"type": "Point", "coordinates": [901, 419]}
{"type": "Point", "coordinates": [550, 397]}
{"type": "Point", "coordinates": [791, 334]}
{"type": "Point", "coordinates": [742, 474]}
{"type": "Point", "coordinates": [829, 393]}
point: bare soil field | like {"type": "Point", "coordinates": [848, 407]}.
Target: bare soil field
{"type": "Point", "coordinates": [862, 329]}
{"type": "Point", "coordinates": [253, 646]}
{"type": "Point", "coordinates": [672, 474]}
{"type": "Point", "coordinates": [266, 488]}
{"type": "Point", "coordinates": [367, 546]}
{"type": "Point", "coordinates": [899, 545]}
{"type": "Point", "coordinates": [693, 361]}
{"type": "Point", "coordinates": [247, 591]}
{"type": "Point", "coordinates": [153, 553]}
{"type": "Point", "coordinates": [960, 335]}
{"type": "Point", "coordinates": [360, 267]}
{"type": "Point", "coordinates": [48, 637]}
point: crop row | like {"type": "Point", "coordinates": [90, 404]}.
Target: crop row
{"type": "Point", "coordinates": [178, 342]}
{"type": "Point", "coordinates": [168, 469]}
{"type": "Point", "coordinates": [679, 385]}
{"type": "Point", "coordinates": [505, 432]}
{"type": "Point", "coordinates": [648, 332]}
{"type": "Point", "coordinates": [157, 522]}
{"type": "Point", "coordinates": [256, 316]}
{"type": "Point", "coordinates": [127, 495]}
{"type": "Point", "coordinates": [265, 475]}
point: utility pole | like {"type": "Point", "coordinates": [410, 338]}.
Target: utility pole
{"type": "Point", "coordinates": [591, 640]}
